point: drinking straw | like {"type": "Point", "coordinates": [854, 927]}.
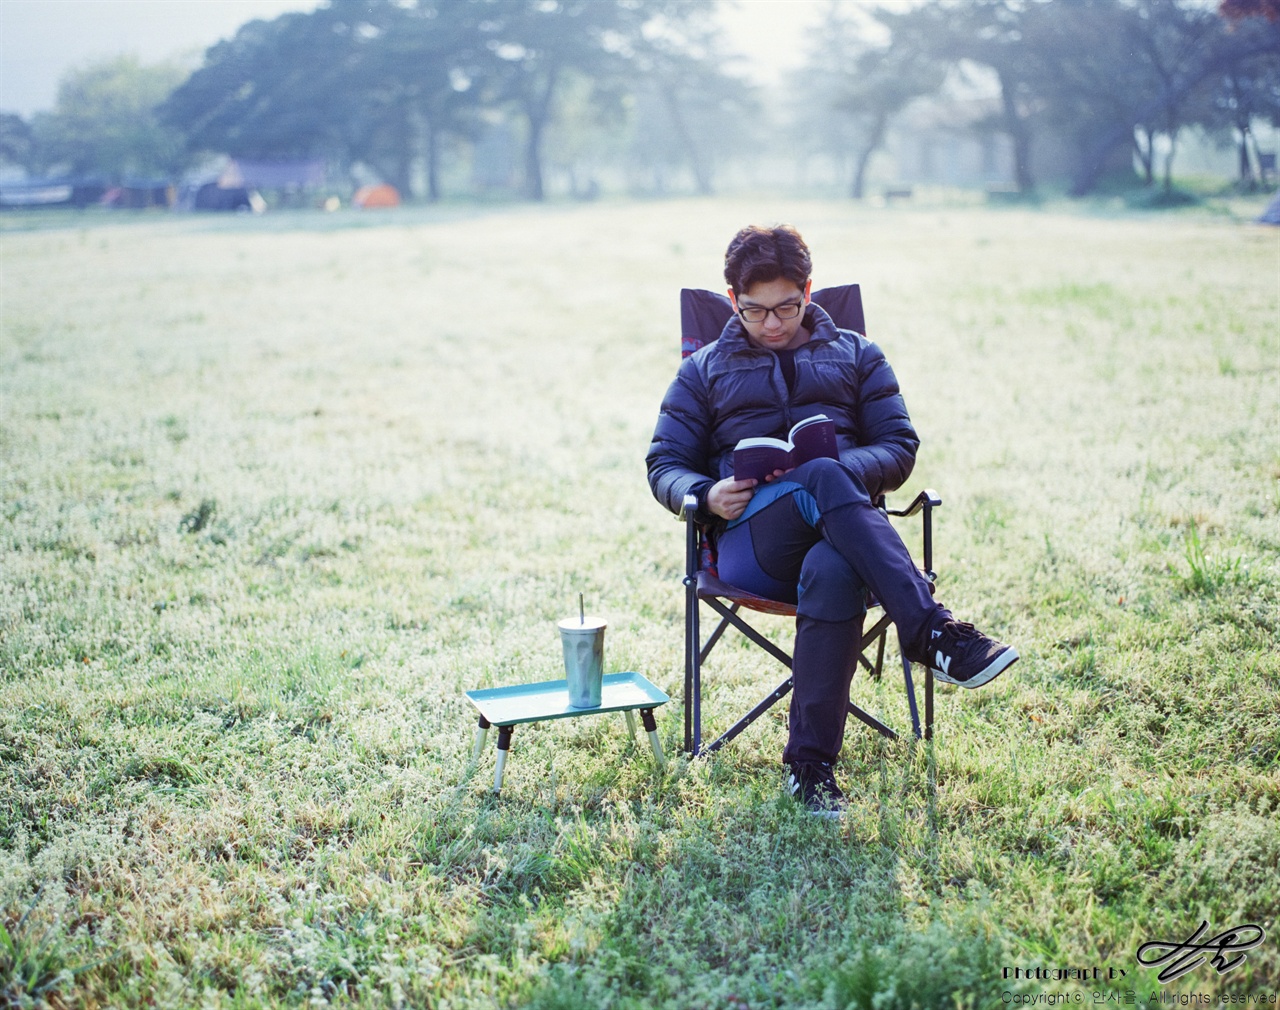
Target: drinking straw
{"type": "Point", "coordinates": [582, 613]}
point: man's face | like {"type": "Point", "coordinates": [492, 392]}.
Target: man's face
{"type": "Point", "coordinates": [777, 295]}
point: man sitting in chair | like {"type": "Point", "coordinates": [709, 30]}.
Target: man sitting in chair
{"type": "Point", "coordinates": [811, 536]}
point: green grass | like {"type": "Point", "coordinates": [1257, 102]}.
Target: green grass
{"type": "Point", "coordinates": [276, 492]}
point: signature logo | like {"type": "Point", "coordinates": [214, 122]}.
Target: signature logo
{"type": "Point", "coordinates": [1224, 951]}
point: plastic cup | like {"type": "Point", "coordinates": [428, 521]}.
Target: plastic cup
{"type": "Point", "coordinates": [583, 643]}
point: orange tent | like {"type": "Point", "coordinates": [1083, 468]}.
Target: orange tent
{"type": "Point", "coordinates": [381, 195]}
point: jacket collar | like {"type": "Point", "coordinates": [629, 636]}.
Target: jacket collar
{"type": "Point", "coordinates": [733, 338]}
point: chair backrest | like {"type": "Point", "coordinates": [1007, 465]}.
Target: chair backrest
{"type": "Point", "coordinates": [704, 313]}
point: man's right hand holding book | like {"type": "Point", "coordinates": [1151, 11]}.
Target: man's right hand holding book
{"type": "Point", "coordinates": [728, 498]}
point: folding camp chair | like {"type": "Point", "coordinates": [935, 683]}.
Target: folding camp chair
{"type": "Point", "coordinates": [703, 315]}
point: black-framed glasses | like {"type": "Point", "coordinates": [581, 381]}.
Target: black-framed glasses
{"type": "Point", "coordinates": [758, 313]}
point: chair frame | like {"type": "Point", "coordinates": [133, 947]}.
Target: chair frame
{"type": "Point", "coordinates": [701, 311]}
{"type": "Point", "coordinates": [702, 586]}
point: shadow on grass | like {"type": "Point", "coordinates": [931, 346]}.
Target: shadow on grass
{"type": "Point", "coordinates": [724, 892]}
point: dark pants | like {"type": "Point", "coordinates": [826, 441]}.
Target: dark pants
{"type": "Point", "coordinates": [822, 547]}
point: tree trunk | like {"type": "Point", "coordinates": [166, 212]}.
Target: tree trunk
{"type": "Point", "coordinates": [1146, 154]}
{"type": "Point", "coordinates": [701, 177]}
{"type": "Point", "coordinates": [533, 161]}
{"type": "Point", "coordinates": [1093, 163]}
{"type": "Point", "coordinates": [396, 166]}
{"type": "Point", "coordinates": [537, 112]}
{"type": "Point", "coordinates": [394, 169]}
{"type": "Point", "coordinates": [1246, 165]}
{"type": "Point", "coordinates": [433, 162]}
{"type": "Point", "coordinates": [1168, 161]}
{"type": "Point", "coordinates": [1020, 133]}
{"type": "Point", "coordinates": [874, 140]}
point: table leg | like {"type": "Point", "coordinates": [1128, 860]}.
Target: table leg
{"type": "Point", "coordinates": [651, 727]}
{"type": "Point", "coordinates": [504, 745]}
{"type": "Point", "coordinates": [482, 732]}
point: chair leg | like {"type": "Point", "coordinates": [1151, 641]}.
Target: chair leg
{"type": "Point", "coordinates": [872, 721]}
{"type": "Point", "coordinates": [911, 696]}
{"type": "Point", "coordinates": [876, 633]}
{"type": "Point", "coordinates": [504, 745]}
{"type": "Point", "coordinates": [715, 635]}
{"type": "Point", "coordinates": [777, 695]}
{"type": "Point", "coordinates": [928, 704]}
{"type": "Point", "coordinates": [692, 671]}
{"type": "Point", "coordinates": [731, 615]}
{"type": "Point", "coordinates": [631, 726]}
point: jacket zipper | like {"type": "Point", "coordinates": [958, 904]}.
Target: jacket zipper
{"type": "Point", "coordinates": [780, 384]}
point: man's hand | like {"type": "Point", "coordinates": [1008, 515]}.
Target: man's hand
{"type": "Point", "coordinates": [728, 498]}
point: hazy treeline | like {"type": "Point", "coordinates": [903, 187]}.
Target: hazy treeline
{"type": "Point", "coordinates": [403, 87]}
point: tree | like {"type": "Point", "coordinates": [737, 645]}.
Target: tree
{"type": "Point", "coordinates": [536, 44]}
{"type": "Point", "coordinates": [16, 141]}
{"type": "Point", "coordinates": [848, 91]}
{"type": "Point", "coordinates": [438, 49]}
{"type": "Point", "coordinates": [269, 91]}
{"type": "Point", "coordinates": [1245, 92]}
{"type": "Point", "coordinates": [1167, 39]}
{"type": "Point", "coordinates": [417, 74]}
{"type": "Point", "coordinates": [1238, 10]}
{"type": "Point", "coordinates": [991, 33]}
{"type": "Point", "coordinates": [1169, 52]}
{"type": "Point", "coordinates": [105, 122]}
{"type": "Point", "coordinates": [1249, 88]}
{"type": "Point", "coordinates": [680, 65]}
{"type": "Point", "coordinates": [379, 81]}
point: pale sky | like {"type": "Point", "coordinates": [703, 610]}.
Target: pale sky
{"type": "Point", "coordinates": [41, 39]}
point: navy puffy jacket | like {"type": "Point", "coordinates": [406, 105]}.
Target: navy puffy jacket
{"type": "Point", "coordinates": [730, 390]}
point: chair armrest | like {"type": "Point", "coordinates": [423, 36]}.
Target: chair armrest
{"type": "Point", "coordinates": [926, 501]}
{"type": "Point", "coordinates": [928, 498]}
{"type": "Point", "coordinates": [688, 512]}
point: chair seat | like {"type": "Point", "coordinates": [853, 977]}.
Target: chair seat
{"type": "Point", "coordinates": [710, 587]}
{"type": "Point", "coordinates": [713, 587]}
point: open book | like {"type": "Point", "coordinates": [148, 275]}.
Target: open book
{"type": "Point", "coordinates": [812, 438]}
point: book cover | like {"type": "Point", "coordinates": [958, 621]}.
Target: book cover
{"type": "Point", "coordinates": [812, 438]}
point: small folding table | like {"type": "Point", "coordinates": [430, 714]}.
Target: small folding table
{"type": "Point", "coordinates": [507, 707]}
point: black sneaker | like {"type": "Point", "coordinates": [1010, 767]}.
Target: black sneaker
{"type": "Point", "coordinates": [813, 784]}
{"type": "Point", "coordinates": [958, 653]}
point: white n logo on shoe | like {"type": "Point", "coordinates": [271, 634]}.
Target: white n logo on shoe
{"type": "Point", "coordinates": [942, 663]}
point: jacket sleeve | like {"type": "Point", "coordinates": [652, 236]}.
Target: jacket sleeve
{"type": "Point", "coordinates": [887, 442]}
{"type": "Point", "coordinates": [680, 451]}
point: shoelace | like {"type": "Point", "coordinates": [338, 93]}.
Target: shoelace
{"type": "Point", "coordinates": [959, 633]}
{"type": "Point", "coordinates": [819, 777]}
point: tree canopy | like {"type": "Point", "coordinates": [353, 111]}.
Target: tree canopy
{"type": "Point", "coordinates": [106, 123]}
{"type": "Point", "coordinates": [395, 85]}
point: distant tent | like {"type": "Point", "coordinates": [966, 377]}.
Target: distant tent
{"type": "Point", "coordinates": [50, 193]}
{"type": "Point", "coordinates": [212, 196]}
{"type": "Point", "coordinates": [138, 194]}
{"type": "Point", "coordinates": [1272, 214]}
{"type": "Point", "coordinates": [302, 174]}
{"type": "Point", "coordinates": [381, 195]}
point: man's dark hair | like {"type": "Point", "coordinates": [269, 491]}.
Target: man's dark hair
{"type": "Point", "coordinates": [764, 254]}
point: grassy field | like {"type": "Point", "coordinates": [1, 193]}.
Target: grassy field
{"type": "Point", "coordinates": [277, 491]}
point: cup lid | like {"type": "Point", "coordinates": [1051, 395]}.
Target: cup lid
{"type": "Point", "coordinates": [574, 624]}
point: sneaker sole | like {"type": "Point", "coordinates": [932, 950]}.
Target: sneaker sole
{"type": "Point", "coordinates": [986, 675]}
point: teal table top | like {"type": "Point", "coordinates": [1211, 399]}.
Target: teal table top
{"type": "Point", "coordinates": [507, 706]}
